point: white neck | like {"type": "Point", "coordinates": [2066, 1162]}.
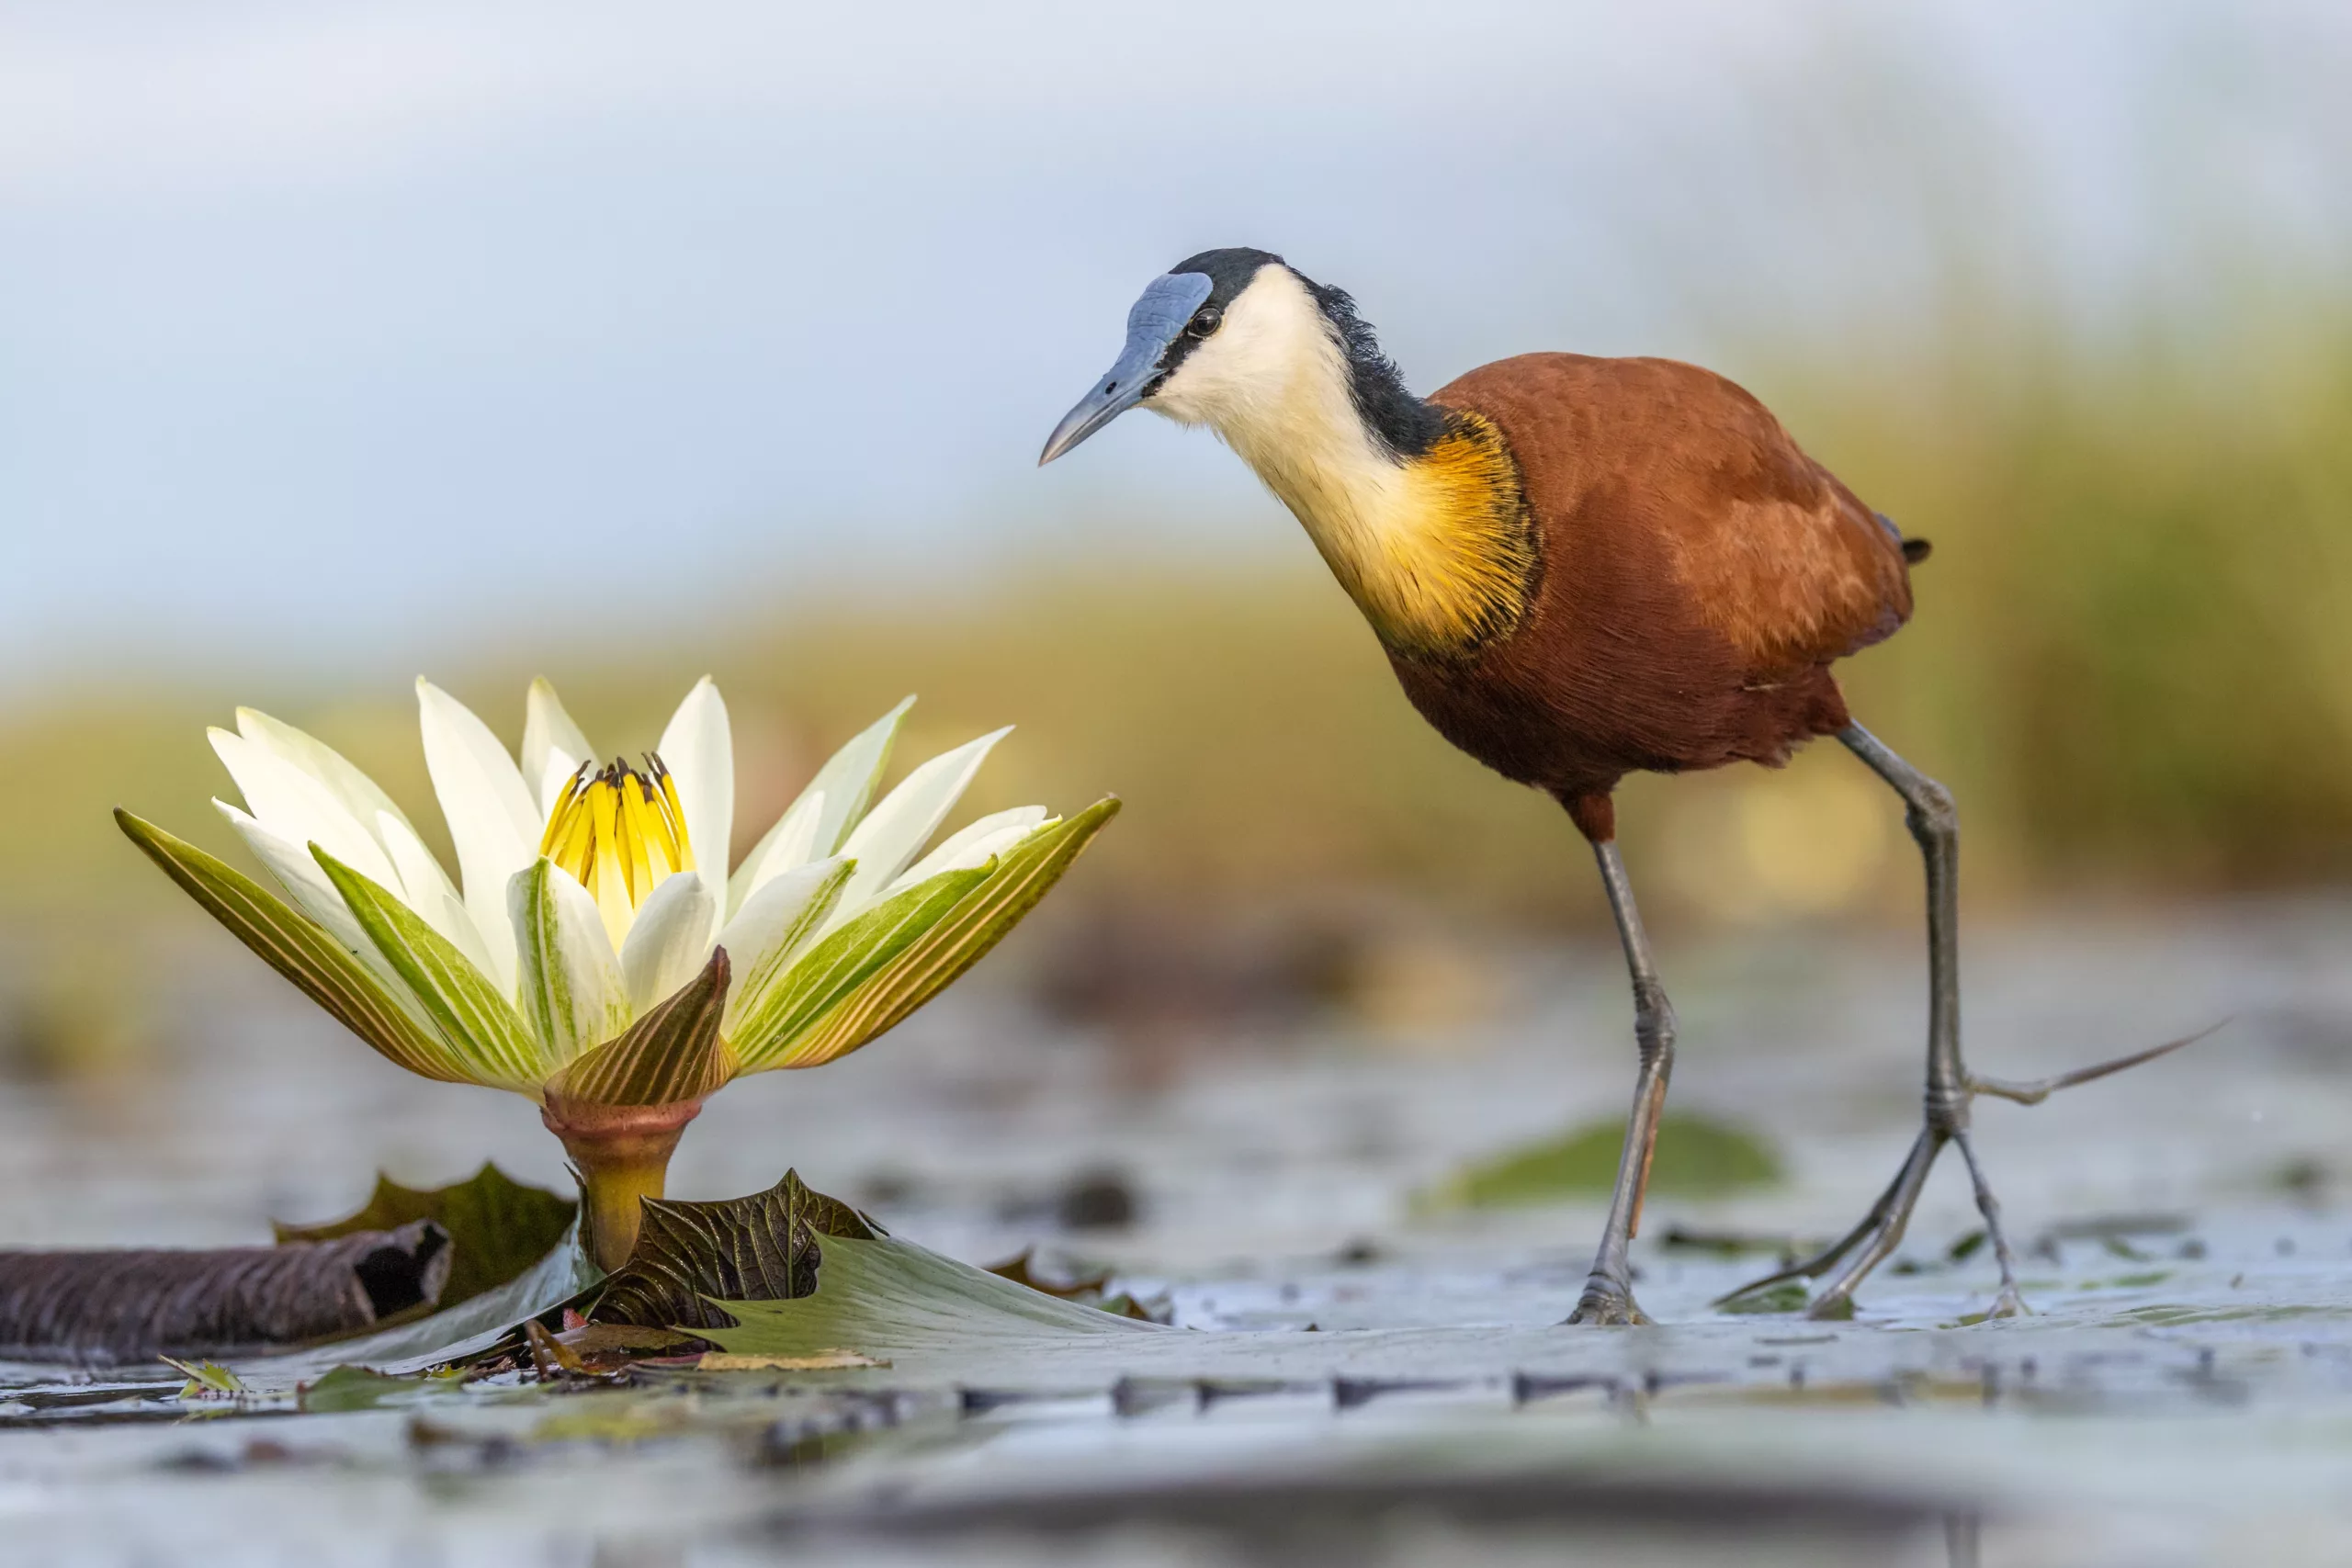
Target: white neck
{"type": "Point", "coordinates": [1274, 384]}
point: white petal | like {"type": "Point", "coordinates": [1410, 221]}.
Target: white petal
{"type": "Point", "coordinates": [848, 777]}
{"type": "Point", "coordinates": [973, 845]}
{"type": "Point", "coordinates": [789, 843]}
{"type": "Point", "coordinates": [298, 809]}
{"type": "Point", "coordinates": [426, 888]}
{"type": "Point", "coordinates": [360, 795]}
{"type": "Point", "coordinates": [700, 754]}
{"type": "Point", "coordinates": [671, 940]}
{"type": "Point", "coordinates": [840, 792]}
{"type": "Point", "coordinates": [553, 747]}
{"type": "Point", "coordinates": [895, 832]}
{"type": "Point", "coordinates": [490, 815]}
{"type": "Point", "coordinates": [571, 985]}
{"type": "Point", "coordinates": [770, 918]}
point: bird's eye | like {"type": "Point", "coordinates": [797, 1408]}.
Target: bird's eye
{"type": "Point", "coordinates": [1205, 323]}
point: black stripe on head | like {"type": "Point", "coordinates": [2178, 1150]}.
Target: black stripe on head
{"type": "Point", "coordinates": [1229, 272]}
{"type": "Point", "coordinates": [1405, 424]}
{"type": "Point", "coordinates": [1409, 426]}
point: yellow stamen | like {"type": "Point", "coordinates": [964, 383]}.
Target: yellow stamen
{"type": "Point", "coordinates": [620, 832]}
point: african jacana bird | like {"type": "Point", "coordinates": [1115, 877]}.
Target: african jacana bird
{"type": "Point", "coordinates": [1580, 569]}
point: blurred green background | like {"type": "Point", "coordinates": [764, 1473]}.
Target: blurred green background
{"type": "Point", "coordinates": [2067, 297]}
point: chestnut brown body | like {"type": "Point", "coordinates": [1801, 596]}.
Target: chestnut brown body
{"type": "Point", "coordinates": [1697, 576]}
{"type": "Point", "coordinates": [1582, 569]}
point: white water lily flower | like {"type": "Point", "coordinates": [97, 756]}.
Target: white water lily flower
{"type": "Point", "coordinates": [595, 953]}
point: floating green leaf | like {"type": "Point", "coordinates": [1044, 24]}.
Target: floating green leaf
{"type": "Point", "coordinates": [1697, 1157]}
{"type": "Point", "coordinates": [886, 1296]}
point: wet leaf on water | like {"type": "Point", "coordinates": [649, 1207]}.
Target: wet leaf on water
{"type": "Point", "coordinates": [1085, 1289]}
{"type": "Point", "coordinates": [602, 1350]}
{"type": "Point", "coordinates": [1697, 1157]}
{"type": "Point", "coordinates": [361, 1388]}
{"type": "Point", "coordinates": [1788, 1296]}
{"type": "Point", "coordinates": [2128, 1281]}
{"type": "Point", "coordinates": [550, 1356]}
{"type": "Point", "coordinates": [761, 1247]}
{"type": "Point", "coordinates": [1733, 1244]}
{"type": "Point", "coordinates": [1021, 1269]}
{"type": "Point", "coordinates": [500, 1226]}
{"type": "Point", "coordinates": [822, 1362]}
{"type": "Point", "coordinates": [614, 1419]}
{"type": "Point", "coordinates": [885, 1296]}
{"type": "Point", "coordinates": [1966, 1246]}
{"type": "Point", "coordinates": [626, 1339]}
{"type": "Point", "coordinates": [206, 1379]}
{"type": "Point", "coordinates": [1159, 1309]}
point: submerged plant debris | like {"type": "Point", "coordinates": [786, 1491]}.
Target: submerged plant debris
{"type": "Point", "coordinates": [106, 1308]}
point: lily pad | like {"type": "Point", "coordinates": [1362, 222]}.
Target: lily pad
{"type": "Point", "coordinates": [1697, 1157]}
{"type": "Point", "coordinates": [499, 1226]}
{"type": "Point", "coordinates": [884, 1296]}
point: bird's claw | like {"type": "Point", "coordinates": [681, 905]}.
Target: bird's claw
{"type": "Point", "coordinates": [1606, 1302]}
{"type": "Point", "coordinates": [2008, 1303]}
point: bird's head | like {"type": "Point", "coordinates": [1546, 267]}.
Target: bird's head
{"type": "Point", "coordinates": [1213, 340]}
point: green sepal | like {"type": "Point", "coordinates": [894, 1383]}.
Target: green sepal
{"type": "Point", "coordinates": [483, 1028]}
{"type": "Point", "coordinates": [673, 1053]}
{"type": "Point", "coordinates": [959, 940]}
{"type": "Point", "coordinates": [771, 966]}
{"type": "Point", "coordinates": [839, 964]}
{"type": "Point", "coordinates": [301, 949]}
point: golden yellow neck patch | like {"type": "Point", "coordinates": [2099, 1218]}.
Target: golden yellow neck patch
{"type": "Point", "coordinates": [1437, 551]}
{"type": "Point", "coordinates": [1460, 566]}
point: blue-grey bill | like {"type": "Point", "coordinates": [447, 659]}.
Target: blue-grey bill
{"type": "Point", "coordinates": [1162, 312]}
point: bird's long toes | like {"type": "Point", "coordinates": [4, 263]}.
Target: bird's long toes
{"type": "Point", "coordinates": [2033, 1091]}
{"type": "Point", "coordinates": [1605, 1303]}
{"type": "Point", "coordinates": [1832, 1306]}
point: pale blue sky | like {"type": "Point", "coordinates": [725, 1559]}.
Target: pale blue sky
{"type": "Point", "coordinates": [370, 333]}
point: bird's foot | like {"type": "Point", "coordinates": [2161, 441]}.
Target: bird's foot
{"type": "Point", "coordinates": [1881, 1230]}
{"type": "Point", "coordinates": [1876, 1237]}
{"type": "Point", "coordinates": [1607, 1302]}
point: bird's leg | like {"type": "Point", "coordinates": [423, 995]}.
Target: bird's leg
{"type": "Point", "coordinates": [1935, 826]}
{"type": "Point", "coordinates": [1608, 1290]}
{"type": "Point", "coordinates": [1951, 1085]}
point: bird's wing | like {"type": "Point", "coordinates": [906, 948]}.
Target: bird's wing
{"type": "Point", "coordinates": [1768, 546]}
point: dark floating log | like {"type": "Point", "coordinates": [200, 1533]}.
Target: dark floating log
{"type": "Point", "coordinates": [106, 1308]}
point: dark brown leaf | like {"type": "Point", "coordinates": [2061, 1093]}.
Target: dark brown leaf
{"type": "Point", "coordinates": [106, 1308]}
{"type": "Point", "coordinates": [762, 1248]}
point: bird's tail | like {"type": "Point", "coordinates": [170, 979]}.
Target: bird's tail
{"type": "Point", "coordinates": [1913, 550]}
